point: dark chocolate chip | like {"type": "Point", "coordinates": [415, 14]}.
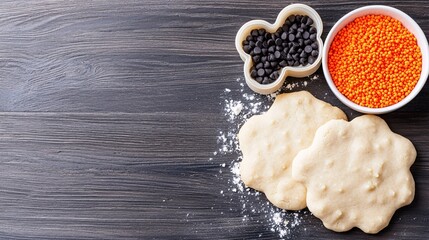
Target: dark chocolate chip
{"type": "Point", "coordinates": [311, 59]}
{"type": "Point", "coordinates": [254, 33]}
{"type": "Point", "coordinates": [313, 30]}
{"type": "Point", "coordinates": [284, 36]}
{"type": "Point", "coordinates": [257, 50]}
{"type": "Point", "coordinates": [267, 35]}
{"type": "Point", "coordinates": [271, 49]}
{"type": "Point", "coordinates": [291, 18]}
{"type": "Point", "coordinates": [314, 53]}
{"type": "Point", "coordinates": [265, 44]}
{"type": "Point", "coordinates": [309, 21]}
{"type": "Point", "coordinates": [267, 64]}
{"type": "Point", "coordinates": [289, 57]}
{"type": "Point", "coordinates": [305, 35]}
{"type": "Point", "coordinates": [246, 48]}
{"type": "Point", "coordinates": [285, 27]}
{"type": "Point", "coordinates": [313, 36]}
{"type": "Point", "coordinates": [261, 72]}
{"type": "Point", "coordinates": [291, 37]}
{"type": "Point", "coordinates": [266, 81]}
{"type": "Point", "coordinates": [263, 58]}
{"type": "Point", "coordinates": [258, 44]}
{"type": "Point", "coordinates": [278, 42]}
{"type": "Point", "coordinates": [303, 55]}
{"type": "Point", "coordinates": [260, 38]}
{"type": "Point", "coordinates": [270, 42]}
{"type": "Point", "coordinates": [271, 57]}
{"type": "Point", "coordinates": [264, 51]}
{"type": "Point", "coordinates": [279, 48]}
{"type": "Point", "coordinates": [268, 71]}
{"type": "Point", "coordinates": [292, 50]}
{"type": "Point", "coordinates": [294, 26]}
{"type": "Point", "coordinates": [259, 65]}
{"type": "Point", "coordinates": [315, 45]}
{"type": "Point", "coordinates": [296, 63]}
{"type": "Point", "coordinates": [308, 49]}
{"type": "Point", "coordinates": [304, 19]}
{"type": "Point", "coordinates": [273, 64]}
{"type": "Point", "coordinates": [290, 62]}
{"type": "Point", "coordinates": [298, 35]}
{"type": "Point", "coordinates": [274, 75]}
{"type": "Point", "coordinates": [259, 79]}
{"type": "Point", "coordinates": [261, 31]}
{"type": "Point", "coordinates": [253, 73]}
{"type": "Point", "coordinates": [277, 54]}
{"type": "Point", "coordinates": [283, 63]}
{"type": "Point", "coordinates": [295, 56]}
{"type": "Point", "coordinates": [303, 61]}
{"type": "Point", "coordinates": [256, 58]}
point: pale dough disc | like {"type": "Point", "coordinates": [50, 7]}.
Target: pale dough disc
{"type": "Point", "coordinates": [270, 141]}
{"type": "Point", "coordinates": [357, 174]}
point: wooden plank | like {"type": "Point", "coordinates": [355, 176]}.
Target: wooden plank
{"type": "Point", "coordinates": [101, 175]}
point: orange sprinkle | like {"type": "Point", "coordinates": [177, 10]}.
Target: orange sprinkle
{"type": "Point", "coordinates": [375, 61]}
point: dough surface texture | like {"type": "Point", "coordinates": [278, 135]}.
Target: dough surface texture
{"type": "Point", "coordinates": [269, 142]}
{"type": "Point", "coordinates": [357, 174]}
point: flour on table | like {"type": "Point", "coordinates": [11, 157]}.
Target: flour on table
{"type": "Point", "coordinates": [239, 105]}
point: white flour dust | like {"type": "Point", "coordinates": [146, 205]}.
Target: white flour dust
{"type": "Point", "coordinates": [238, 106]}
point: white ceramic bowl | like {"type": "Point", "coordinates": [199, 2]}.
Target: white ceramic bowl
{"type": "Point", "coordinates": [300, 71]}
{"type": "Point", "coordinates": [407, 22]}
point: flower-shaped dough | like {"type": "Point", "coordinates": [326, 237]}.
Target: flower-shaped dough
{"type": "Point", "coordinates": [269, 143]}
{"type": "Point", "coordinates": [357, 174]}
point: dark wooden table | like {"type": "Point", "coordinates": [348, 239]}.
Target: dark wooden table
{"type": "Point", "coordinates": [111, 112]}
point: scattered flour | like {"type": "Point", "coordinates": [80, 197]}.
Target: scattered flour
{"type": "Point", "coordinates": [238, 106]}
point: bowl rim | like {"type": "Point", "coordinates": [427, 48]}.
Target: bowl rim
{"type": "Point", "coordinates": [408, 22]}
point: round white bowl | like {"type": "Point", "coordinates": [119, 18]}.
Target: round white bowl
{"type": "Point", "coordinates": [300, 71]}
{"type": "Point", "coordinates": [407, 22]}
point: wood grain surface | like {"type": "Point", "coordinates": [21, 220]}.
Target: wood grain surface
{"type": "Point", "coordinates": [110, 112]}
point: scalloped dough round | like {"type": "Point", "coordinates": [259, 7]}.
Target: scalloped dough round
{"type": "Point", "coordinates": [269, 142]}
{"type": "Point", "coordinates": [357, 174]}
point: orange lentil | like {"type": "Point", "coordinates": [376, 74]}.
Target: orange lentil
{"type": "Point", "coordinates": [375, 61]}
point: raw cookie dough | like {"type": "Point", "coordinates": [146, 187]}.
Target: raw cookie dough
{"type": "Point", "coordinates": [269, 143]}
{"type": "Point", "coordinates": [357, 174]}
